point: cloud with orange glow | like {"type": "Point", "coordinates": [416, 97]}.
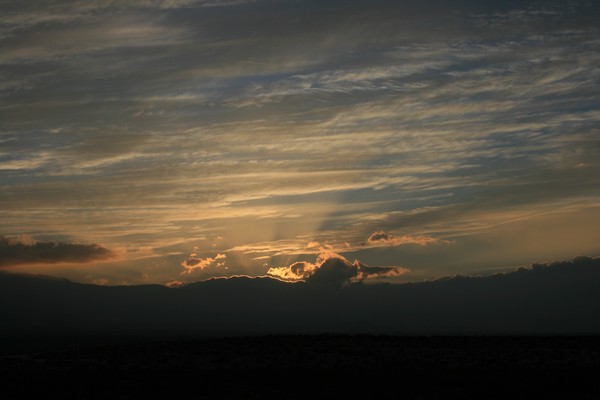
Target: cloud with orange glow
{"type": "Point", "coordinates": [196, 263]}
{"type": "Point", "coordinates": [332, 269]}
{"type": "Point", "coordinates": [174, 284]}
{"type": "Point", "coordinates": [381, 239]}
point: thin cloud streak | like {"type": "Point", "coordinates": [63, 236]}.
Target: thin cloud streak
{"type": "Point", "coordinates": [382, 238]}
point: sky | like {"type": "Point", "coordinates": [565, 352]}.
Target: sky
{"type": "Point", "coordinates": [174, 141]}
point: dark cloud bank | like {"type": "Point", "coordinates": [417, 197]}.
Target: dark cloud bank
{"type": "Point", "coordinates": [17, 251]}
{"type": "Point", "coordinates": [557, 298]}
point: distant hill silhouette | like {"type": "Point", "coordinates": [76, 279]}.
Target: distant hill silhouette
{"type": "Point", "coordinates": [557, 298]}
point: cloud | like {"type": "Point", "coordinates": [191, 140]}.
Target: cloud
{"type": "Point", "coordinates": [381, 238]}
{"type": "Point", "coordinates": [26, 250]}
{"type": "Point", "coordinates": [194, 262]}
{"type": "Point", "coordinates": [174, 284]}
{"type": "Point", "coordinates": [332, 269]}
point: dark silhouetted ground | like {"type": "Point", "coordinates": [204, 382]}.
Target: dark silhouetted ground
{"type": "Point", "coordinates": [301, 367]}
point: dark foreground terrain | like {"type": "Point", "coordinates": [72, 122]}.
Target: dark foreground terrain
{"type": "Point", "coordinates": [290, 367]}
